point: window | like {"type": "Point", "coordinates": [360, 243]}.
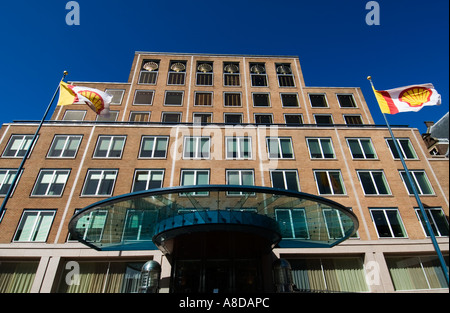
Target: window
{"type": "Point", "coordinates": [204, 74]}
{"type": "Point", "coordinates": [323, 119]}
{"type": "Point", "coordinates": [361, 148]}
{"type": "Point", "coordinates": [292, 223]}
{"type": "Point", "coordinates": [203, 98]}
{"type": "Point", "coordinates": [416, 272]}
{"type": "Point", "coordinates": [239, 177]}
{"type": "Point", "coordinates": [263, 119]}
{"type": "Point", "coordinates": [261, 100]}
{"type": "Point", "coordinates": [153, 147]}
{"type": "Point", "coordinates": [285, 179]}
{"type": "Point", "coordinates": [232, 99]}
{"type": "Point", "coordinates": [329, 182]}
{"type": "Point", "coordinates": [94, 225]}
{"type": "Point", "coordinates": [231, 74]}
{"type": "Point", "coordinates": [353, 119]}
{"type": "Point", "coordinates": [284, 75]}
{"type": "Point", "coordinates": [232, 118]}
{"type": "Point", "coordinates": [373, 182]}
{"type": "Point", "coordinates": [437, 220]}
{"type": "Point", "coordinates": [280, 148]}
{"type": "Point", "coordinates": [147, 179]}
{"type": "Point", "coordinates": [6, 178]}
{"type": "Point", "coordinates": [420, 180]}
{"type": "Point", "coordinates": [139, 116]}
{"type": "Point", "coordinates": [117, 95]}
{"type": "Point", "coordinates": [405, 146]}
{"type": "Point", "coordinates": [334, 223]}
{"type": "Point", "coordinates": [74, 115]}
{"type": "Point", "coordinates": [195, 177]}
{"type": "Point", "coordinates": [318, 101]}
{"type": "Point", "coordinates": [109, 146]}
{"type": "Point", "coordinates": [17, 276]}
{"type": "Point", "coordinates": [168, 117]}
{"type": "Point", "coordinates": [143, 97]}
{"type": "Point", "coordinates": [177, 73]}
{"type": "Point", "coordinates": [136, 221]}
{"type": "Point", "coordinates": [346, 101]}
{"type": "Point", "coordinates": [99, 182]}
{"type": "Point", "coordinates": [238, 148]}
{"type": "Point", "coordinates": [34, 225]}
{"type": "Point", "coordinates": [112, 117]}
{"type": "Point", "coordinates": [289, 100]}
{"type": "Point", "coordinates": [320, 148]}
{"type": "Point", "coordinates": [202, 118]}
{"type": "Point", "coordinates": [64, 146]}
{"type": "Point", "coordinates": [197, 147]}
{"type": "Point", "coordinates": [388, 223]}
{"type": "Point", "coordinates": [149, 72]}
{"type": "Point", "coordinates": [293, 119]}
{"type": "Point", "coordinates": [173, 98]}
{"type": "Point", "coordinates": [258, 75]}
{"type": "Point", "coordinates": [17, 146]}
{"type": "Point", "coordinates": [50, 183]}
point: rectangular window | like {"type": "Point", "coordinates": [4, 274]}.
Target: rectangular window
{"type": "Point", "coordinates": [34, 225]}
{"type": "Point", "coordinates": [136, 224]}
{"type": "Point", "coordinates": [238, 148]}
{"type": "Point", "coordinates": [284, 75]}
{"type": "Point", "coordinates": [373, 182]}
{"type": "Point", "coordinates": [147, 179]}
{"type": "Point", "coordinates": [117, 95]}
{"type": "Point", "coordinates": [149, 72]}
{"type": "Point", "coordinates": [109, 147]}
{"type": "Point", "coordinates": [293, 119]}
{"type": "Point", "coordinates": [173, 98]}
{"type": "Point", "coordinates": [202, 118]}
{"type": "Point", "coordinates": [329, 182]}
{"type": "Point", "coordinates": [405, 146]}
{"type": "Point", "coordinates": [6, 178]}
{"type": "Point", "coordinates": [74, 115]}
{"type": "Point", "coordinates": [264, 119]}
{"type": "Point", "coordinates": [50, 183]}
{"type": "Point", "coordinates": [94, 225]}
{"type": "Point", "coordinates": [258, 75]}
{"type": "Point", "coordinates": [231, 74]}
{"type": "Point", "coordinates": [193, 178]}
{"type": "Point", "coordinates": [388, 222]}
{"type": "Point", "coordinates": [232, 118]}
{"type": "Point", "coordinates": [177, 73]}
{"type": "Point", "coordinates": [204, 74]}
{"type": "Point", "coordinates": [320, 148]}
{"type": "Point", "coordinates": [203, 99]}
{"type": "Point", "coordinates": [280, 148]}
{"type": "Point", "coordinates": [437, 219]}
{"type": "Point", "coordinates": [17, 276]}
{"type": "Point", "coordinates": [261, 100]}
{"type": "Point", "coordinates": [346, 101]}
{"type": "Point", "coordinates": [64, 146]}
{"type": "Point", "coordinates": [112, 117]}
{"type": "Point", "coordinates": [334, 223]}
{"type": "Point", "coordinates": [17, 146]}
{"type": "Point", "coordinates": [168, 117]}
{"type": "Point", "coordinates": [139, 116]}
{"type": "Point", "coordinates": [353, 119]}
{"type": "Point", "coordinates": [285, 179]}
{"type": "Point", "coordinates": [420, 181]}
{"type": "Point", "coordinates": [318, 101]}
{"type": "Point", "coordinates": [289, 100]}
{"type": "Point", "coordinates": [323, 119]}
{"type": "Point", "coordinates": [361, 148]}
{"type": "Point", "coordinates": [153, 147]}
{"type": "Point", "coordinates": [99, 182]}
{"type": "Point", "coordinates": [239, 177]}
{"type": "Point", "coordinates": [292, 223]}
{"type": "Point", "coordinates": [143, 97]}
{"type": "Point", "coordinates": [232, 99]}
{"type": "Point", "coordinates": [197, 147]}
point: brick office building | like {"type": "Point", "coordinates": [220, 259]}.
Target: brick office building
{"type": "Point", "coordinates": [198, 119]}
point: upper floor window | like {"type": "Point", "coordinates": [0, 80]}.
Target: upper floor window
{"type": "Point", "coordinates": [320, 148]}
{"type": "Point", "coordinates": [177, 73]}
{"type": "Point", "coordinates": [388, 222]}
{"type": "Point", "coordinates": [285, 179]}
{"type": "Point", "coordinates": [171, 117]}
{"type": "Point", "coordinates": [34, 225]}
{"type": "Point", "coordinates": [437, 219]}
{"type": "Point", "coordinates": [238, 148]}
{"type": "Point", "coordinates": [109, 147]}
{"type": "Point", "coordinates": [261, 100]}
{"type": "Point", "coordinates": [353, 119]}
{"type": "Point", "coordinates": [329, 182]}
{"type": "Point", "coordinates": [64, 146]}
{"type": "Point", "coordinates": [204, 74]}
{"type": "Point", "coordinates": [147, 179]}
{"type": "Point", "coordinates": [361, 148]}
{"type": "Point", "coordinates": [292, 223]}
{"type": "Point", "coordinates": [153, 147]}
{"type": "Point", "coordinates": [232, 118]}
{"type": "Point", "coordinates": [50, 182]}
{"type": "Point", "coordinates": [280, 148]}
{"type": "Point", "coordinates": [258, 75]}
{"type": "Point", "coordinates": [173, 98]}
{"type": "Point", "coordinates": [149, 72]}
{"type": "Point", "coordinates": [284, 75]}
{"type": "Point", "coordinates": [6, 178]}
{"type": "Point", "coordinates": [289, 100]}
{"type": "Point", "coordinates": [136, 116]}
{"type": "Point", "coordinates": [373, 182]}
{"type": "Point", "coordinates": [231, 74]}
{"type": "Point", "coordinates": [202, 118]}
{"type": "Point", "coordinates": [74, 115]}
{"type": "Point", "coordinates": [318, 101]}
{"type": "Point", "coordinates": [197, 147]}
{"type": "Point", "coordinates": [405, 146]}
{"type": "Point", "coordinates": [99, 182]}
{"type": "Point", "coordinates": [420, 181]}
{"type": "Point", "coordinates": [263, 118]}
{"type": "Point", "coordinates": [143, 97]}
{"type": "Point", "coordinates": [203, 98]}
{"type": "Point", "coordinates": [117, 95]}
{"type": "Point", "coordinates": [193, 178]}
{"type": "Point", "coordinates": [239, 177]}
{"type": "Point", "coordinates": [17, 146]}
{"type": "Point", "coordinates": [346, 101]}
{"type": "Point", "coordinates": [293, 119]}
{"type": "Point", "coordinates": [323, 119]}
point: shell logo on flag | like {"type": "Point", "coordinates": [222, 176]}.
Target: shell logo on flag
{"type": "Point", "coordinates": [415, 96]}
{"type": "Point", "coordinates": [94, 98]}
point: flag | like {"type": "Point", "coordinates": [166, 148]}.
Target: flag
{"type": "Point", "coordinates": [407, 99]}
{"type": "Point", "coordinates": [96, 99]}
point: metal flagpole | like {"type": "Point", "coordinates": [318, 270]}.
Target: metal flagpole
{"type": "Point", "coordinates": [416, 195]}
{"type": "Point", "coordinates": [27, 153]}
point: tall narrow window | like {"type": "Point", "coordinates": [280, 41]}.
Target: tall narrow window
{"type": "Point", "coordinates": [34, 225]}
{"type": "Point", "coordinates": [177, 73]}
{"type": "Point", "coordinates": [329, 182]}
{"type": "Point", "coordinates": [258, 75]}
{"type": "Point", "coordinates": [149, 72]}
{"type": "Point", "coordinates": [204, 74]}
{"type": "Point", "coordinates": [231, 74]}
{"type": "Point", "coordinates": [284, 75]}
{"type": "Point", "coordinates": [388, 222]}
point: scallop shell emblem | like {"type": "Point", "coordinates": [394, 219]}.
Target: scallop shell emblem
{"type": "Point", "coordinates": [94, 97]}
{"type": "Point", "coordinates": [415, 96]}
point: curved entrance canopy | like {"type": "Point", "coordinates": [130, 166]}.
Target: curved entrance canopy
{"type": "Point", "coordinates": [148, 220]}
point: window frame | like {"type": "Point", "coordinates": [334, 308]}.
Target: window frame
{"type": "Point", "coordinates": [351, 116]}
{"type": "Point", "coordinates": [110, 146]}
{"type": "Point", "coordinates": [227, 93]}
{"type": "Point", "coordinates": [327, 105]}
{"type": "Point", "coordinates": [258, 75]}
{"type": "Point", "coordinates": [121, 96]}
{"type": "Point", "coordinates": [291, 222]}
{"type": "Point", "coordinates": [285, 181]}
{"type": "Point", "coordinates": [293, 114]}
{"type": "Point", "coordinates": [7, 181]}
{"type": "Point", "coordinates": [171, 104]}
{"type": "Point", "coordinates": [352, 100]}
{"type": "Point", "coordinates": [154, 145]}
{"type": "Point", "coordinates": [195, 175]}
{"type": "Point", "coordinates": [402, 150]}
{"type": "Point", "coordinates": [226, 114]}
{"type": "Point", "coordinates": [256, 115]}
{"type": "Point", "coordinates": [148, 172]}
{"type": "Point", "coordinates": [432, 219]}
{"type": "Point", "coordinates": [320, 139]}
{"type": "Point", "coordinates": [237, 74]}
{"type": "Point", "coordinates": [89, 172]}
{"type": "Point", "coordinates": [54, 177]}
{"type": "Point", "coordinates": [289, 94]}
{"type": "Point", "coordinates": [142, 70]}
{"type": "Point", "coordinates": [388, 222]}
{"type": "Point", "coordinates": [324, 124]}
{"type": "Point", "coordinates": [280, 154]}
{"type": "Point", "coordinates": [36, 227]}
{"type": "Point", "coordinates": [239, 153]}
{"type": "Point", "coordinates": [167, 113]}
{"type": "Point", "coordinates": [361, 147]}
{"type": "Point", "coordinates": [329, 182]}
{"type": "Point", "coordinates": [82, 112]}
{"type": "Point", "coordinates": [198, 148]}
{"type": "Point", "coordinates": [287, 75]}
{"type": "Point", "coordinates": [211, 73]}
{"type": "Point", "coordinates": [23, 141]}
{"type": "Point", "coordinates": [374, 183]}
{"type": "Point", "coordinates": [66, 144]}
{"type": "Point", "coordinates": [418, 186]}
{"type": "Point", "coordinates": [170, 71]}
{"type": "Point", "coordinates": [144, 90]}
{"type": "Point", "coordinates": [269, 104]}
{"type": "Point", "coordinates": [210, 95]}
{"type": "Point", "coordinates": [241, 182]}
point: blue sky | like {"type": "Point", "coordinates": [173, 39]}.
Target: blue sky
{"type": "Point", "coordinates": [335, 45]}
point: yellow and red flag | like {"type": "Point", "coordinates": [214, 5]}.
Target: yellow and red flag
{"type": "Point", "coordinates": [96, 99]}
{"type": "Point", "coordinates": [407, 99]}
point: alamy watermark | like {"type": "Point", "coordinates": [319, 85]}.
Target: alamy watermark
{"type": "Point", "coordinates": [373, 16]}
{"type": "Point", "coordinates": [73, 16]}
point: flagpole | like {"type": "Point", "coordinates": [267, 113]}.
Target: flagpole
{"type": "Point", "coordinates": [27, 153]}
{"type": "Point", "coordinates": [416, 195]}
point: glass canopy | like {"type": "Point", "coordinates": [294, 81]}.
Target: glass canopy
{"type": "Point", "coordinates": [144, 220]}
